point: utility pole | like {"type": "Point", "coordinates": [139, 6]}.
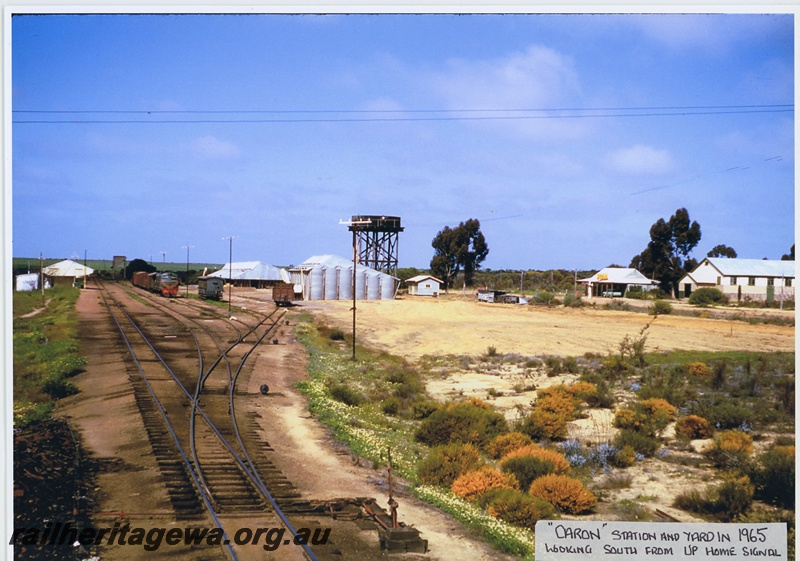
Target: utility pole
{"type": "Point", "coordinates": [187, 247]}
{"type": "Point", "coordinates": [355, 261]}
{"type": "Point", "coordinates": [41, 273]}
{"type": "Point", "coordinates": [164, 259]}
{"type": "Point", "coordinates": [230, 269]}
{"type": "Point", "coordinates": [575, 284]}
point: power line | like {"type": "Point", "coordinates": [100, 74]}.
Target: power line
{"type": "Point", "coordinates": [398, 115]}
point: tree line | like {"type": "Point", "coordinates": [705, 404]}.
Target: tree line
{"type": "Point", "coordinates": [459, 252]}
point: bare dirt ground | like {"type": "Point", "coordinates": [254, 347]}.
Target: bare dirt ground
{"type": "Point", "coordinates": [417, 326]}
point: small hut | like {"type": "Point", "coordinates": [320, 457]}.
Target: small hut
{"type": "Point", "coordinates": [424, 285]}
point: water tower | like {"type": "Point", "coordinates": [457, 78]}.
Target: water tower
{"type": "Point", "coordinates": [376, 240]}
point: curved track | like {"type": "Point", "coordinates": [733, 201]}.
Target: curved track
{"type": "Point", "coordinates": [186, 391]}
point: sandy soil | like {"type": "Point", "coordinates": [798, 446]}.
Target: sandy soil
{"type": "Point", "coordinates": [417, 326]}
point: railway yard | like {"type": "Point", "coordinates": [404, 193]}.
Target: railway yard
{"type": "Point", "coordinates": [154, 412]}
{"type": "Point", "coordinates": [191, 418]}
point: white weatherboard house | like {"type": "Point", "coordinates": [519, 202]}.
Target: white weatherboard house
{"type": "Point", "coordinates": [423, 285]}
{"type": "Point", "coordinates": [614, 281]}
{"type": "Point", "coordinates": [742, 279]}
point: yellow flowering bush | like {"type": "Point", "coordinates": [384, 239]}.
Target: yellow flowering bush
{"type": "Point", "coordinates": [563, 492]}
{"type": "Point", "coordinates": [505, 443]}
{"type": "Point", "coordinates": [474, 484]}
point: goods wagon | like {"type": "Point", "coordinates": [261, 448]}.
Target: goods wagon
{"type": "Point", "coordinates": [141, 279]}
{"type": "Point", "coordinates": [210, 288]}
{"type": "Point", "coordinates": [283, 294]}
{"type": "Point", "coordinates": [165, 284]}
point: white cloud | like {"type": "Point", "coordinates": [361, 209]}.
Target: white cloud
{"type": "Point", "coordinates": [716, 33]}
{"type": "Point", "coordinates": [640, 160]}
{"type": "Point", "coordinates": [212, 148]}
{"type": "Point", "coordinates": [537, 78]}
{"type": "Point", "coordinates": [534, 78]}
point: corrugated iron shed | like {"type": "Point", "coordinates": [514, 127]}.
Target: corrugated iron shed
{"type": "Point", "coordinates": [251, 271]}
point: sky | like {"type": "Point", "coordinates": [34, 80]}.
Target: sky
{"type": "Point", "coordinates": [566, 135]}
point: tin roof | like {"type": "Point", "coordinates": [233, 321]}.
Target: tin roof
{"type": "Point", "coordinates": [329, 260]}
{"type": "Point", "coordinates": [752, 267]}
{"type": "Point", "coordinates": [251, 270]}
{"type": "Point", "coordinates": [421, 278]}
{"type": "Point", "coordinates": [618, 276]}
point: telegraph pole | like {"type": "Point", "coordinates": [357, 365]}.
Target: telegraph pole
{"type": "Point", "coordinates": [41, 273]}
{"type": "Point", "coordinates": [230, 269]}
{"type": "Point", "coordinates": [352, 223]}
{"type": "Point", "coordinates": [187, 247]}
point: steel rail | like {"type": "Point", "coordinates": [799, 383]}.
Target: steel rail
{"type": "Point", "coordinates": [249, 468]}
{"type": "Point", "coordinates": [162, 411]}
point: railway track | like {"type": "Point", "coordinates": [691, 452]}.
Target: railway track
{"type": "Point", "coordinates": [189, 415]}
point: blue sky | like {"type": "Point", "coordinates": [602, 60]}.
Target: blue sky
{"type": "Point", "coordinates": [567, 136]}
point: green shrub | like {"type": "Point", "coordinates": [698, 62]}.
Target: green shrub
{"type": "Point", "coordinates": [707, 296]}
{"type": "Point", "coordinates": [423, 408]}
{"type": "Point", "coordinates": [336, 335]}
{"type": "Point", "coordinates": [445, 464]}
{"type": "Point", "coordinates": [347, 394]}
{"type": "Point", "coordinates": [572, 301]}
{"type": "Point", "coordinates": [726, 502]}
{"type": "Point", "coordinates": [635, 292]}
{"type": "Point", "coordinates": [570, 364]}
{"type": "Point", "coordinates": [57, 386]}
{"type": "Point", "coordinates": [527, 468]}
{"type": "Point", "coordinates": [391, 406]}
{"type": "Point", "coordinates": [518, 508]}
{"type": "Point", "coordinates": [603, 398]}
{"type": "Point", "coordinates": [68, 366]}
{"type": "Point", "coordinates": [28, 414]}
{"type": "Point", "coordinates": [471, 422]}
{"type": "Point", "coordinates": [774, 478]}
{"type": "Point", "coordinates": [641, 443]}
{"type": "Point", "coordinates": [543, 297]}
{"type": "Point", "coordinates": [554, 366]}
{"type": "Point", "coordinates": [661, 308]}
{"type": "Point", "coordinates": [728, 414]}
